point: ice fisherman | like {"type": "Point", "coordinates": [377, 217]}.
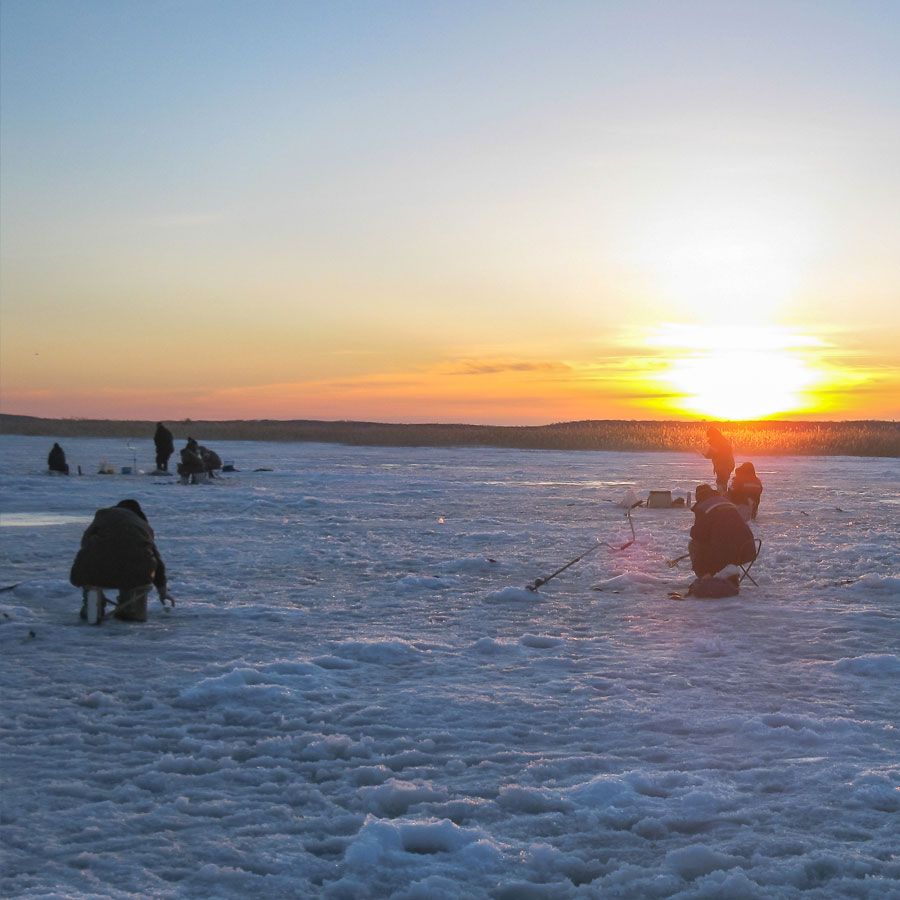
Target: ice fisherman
{"type": "Point", "coordinates": [56, 460]}
{"type": "Point", "coordinates": [165, 447]}
{"type": "Point", "coordinates": [719, 536]}
{"type": "Point", "coordinates": [722, 456]}
{"type": "Point", "coordinates": [191, 468]}
{"type": "Point", "coordinates": [118, 550]}
{"type": "Point", "coordinates": [746, 489]}
{"type": "Point", "coordinates": [211, 460]}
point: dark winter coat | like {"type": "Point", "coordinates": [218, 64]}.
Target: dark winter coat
{"type": "Point", "coordinates": [746, 488]}
{"type": "Point", "coordinates": [56, 460]}
{"type": "Point", "coordinates": [118, 550]}
{"type": "Point", "coordinates": [165, 443]}
{"type": "Point", "coordinates": [720, 453]}
{"type": "Point", "coordinates": [211, 459]}
{"type": "Point", "coordinates": [720, 535]}
{"type": "Point", "coordinates": [191, 461]}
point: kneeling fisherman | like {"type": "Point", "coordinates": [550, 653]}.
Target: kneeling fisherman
{"type": "Point", "coordinates": [118, 550]}
{"type": "Point", "coordinates": [719, 536]}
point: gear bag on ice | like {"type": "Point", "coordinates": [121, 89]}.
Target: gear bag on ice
{"type": "Point", "coordinates": [713, 588]}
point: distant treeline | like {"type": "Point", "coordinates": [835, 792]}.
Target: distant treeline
{"type": "Point", "coordinates": [864, 438]}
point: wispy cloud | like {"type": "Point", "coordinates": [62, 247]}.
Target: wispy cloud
{"type": "Point", "coordinates": [468, 367]}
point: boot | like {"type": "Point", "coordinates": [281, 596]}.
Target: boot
{"type": "Point", "coordinates": [93, 605]}
{"type": "Point", "coordinates": [132, 606]}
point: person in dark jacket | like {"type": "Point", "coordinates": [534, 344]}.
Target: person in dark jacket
{"type": "Point", "coordinates": [56, 460]}
{"type": "Point", "coordinates": [118, 550]}
{"type": "Point", "coordinates": [211, 460]}
{"type": "Point", "coordinates": [719, 536]}
{"type": "Point", "coordinates": [746, 488]}
{"type": "Point", "coordinates": [191, 467]}
{"type": "Point", "coordinates": [720, 453]}
{"type": "Point", "coordinates": [165, 447]}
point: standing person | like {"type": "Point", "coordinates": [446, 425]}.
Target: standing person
{"type": "Point", "coordinates": [56, 460]}
{"type": "Point", "coordinates": [118, 550]}
{"type": "Point", "coordinates": [722, 456]}
{"type": "Point", "coordinates": [719, 536]}
{"type": "Point", "coordinates": [165, 447]}
{"type": "Point", "coordinates": [746, 488]}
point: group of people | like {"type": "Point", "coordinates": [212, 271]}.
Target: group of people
{"type": "Point", "coordinates": [198, 463]}
{"type": "Point", "coordinates": [720, 535]}
{"type": "Point", "coordinates": [746, 488]}
{"type": "Point", "coordinates": [118, 550]}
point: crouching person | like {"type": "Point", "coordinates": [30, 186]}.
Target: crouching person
{"type": "Point", "coordinates": [211, 461]}
{"type": "Point", "coordinates": [118, 550]}
{"type": "Point", "coordinates": [719, 536]}
{"type": "Point", "coordinates": [191, 468]}
{"type": "Point", "coordinates": [56, 460]}
{"type": "Point", "coordinates": [746, 490]}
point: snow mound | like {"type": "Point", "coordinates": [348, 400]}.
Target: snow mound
{"type": "Point", "coordinates": [334, 662]}
{"type": "Point", "coordinates": [251, 687]}
{"type": "Point", "coordinates": [602, 791]}
{"type": "Point", "coordinates": [469, 564]}
{"type": "Point", "coordinates": [877, 791]}
{"type": "Point", "coordinates": [380, 843]}
{"type": "Point", "coordinates": [698, 859]}
{"type": "Point", "coordinates": [511, 593]}
{"type": "Point", "coordinates": [240, 686]}
{"type": "Point", "coordinates": [430, 582]}
{"type": "Point", "coordinates": [540, 641]}
{"type": "Point", "coordinates": [382, 653]}
{"type": "Point", "coordinates": [870, 665]}
{"type": "Point", "coordinates": [493, 647]}
{"type": "Point", "coordinates": [531, 801]}
{"type": "Point", "coordinates": [873, 582]}
{"type": "Point", "coordinates": [637, 581]}
{"type": "Point", "coordinates": [395, 797]}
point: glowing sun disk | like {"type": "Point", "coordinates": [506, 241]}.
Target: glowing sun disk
{"type": "Point", "coordinates": [739, 374]}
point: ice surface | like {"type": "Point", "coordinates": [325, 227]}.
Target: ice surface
{"type": "Point", "coordinates": [355, 695]}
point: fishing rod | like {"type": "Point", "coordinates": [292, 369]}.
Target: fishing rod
{"type": "Point", "coordinates": [538, 582]}
{"type": "Point", "coordinates": [671, 563]}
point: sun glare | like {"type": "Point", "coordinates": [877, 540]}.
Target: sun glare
{"type": "Point", "coordinates": [738, 373]}
{"type": "Point", "coordinates": [715, 250]}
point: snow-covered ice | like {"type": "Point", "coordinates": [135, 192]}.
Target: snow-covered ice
{"type": "Point", "coordinates": [355, 696]}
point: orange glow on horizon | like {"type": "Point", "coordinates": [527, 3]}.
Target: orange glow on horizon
{"type": "Point", "coordinates": [679, 372]}
{"type": "Point", "coordinates": [747, 372]}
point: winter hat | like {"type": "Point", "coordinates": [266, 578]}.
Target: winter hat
{"type": "Point", "coordinates": [703, 492]}
{"type": "Point", "coordinates": [133, 506]}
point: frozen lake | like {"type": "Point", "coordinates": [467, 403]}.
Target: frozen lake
{"type": "Point", "coordinates": [342, 705]}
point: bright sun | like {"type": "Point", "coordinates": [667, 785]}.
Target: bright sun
{"type": "Point", "coordinates": [737, 373]}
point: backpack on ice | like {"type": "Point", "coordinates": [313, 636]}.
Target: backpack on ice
{"type": "Point", "coordinates": [714, 588]}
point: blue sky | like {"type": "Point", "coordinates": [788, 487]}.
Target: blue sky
{"type": "Point", "coordinates": [399, 189]}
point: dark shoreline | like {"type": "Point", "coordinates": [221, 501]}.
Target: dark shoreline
{"type": "Point", "coordinates": [855, 438]}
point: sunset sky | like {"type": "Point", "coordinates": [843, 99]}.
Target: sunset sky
{"type": "Point", "coordinates": [492, 212]}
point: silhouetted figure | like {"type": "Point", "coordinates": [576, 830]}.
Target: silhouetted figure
{"type": "Point", "coordinates": [719, 536]}
{"type": "Point", "coordinates": [746, 488]}
{"type": "Point", "coordinates": [211, 461]}
{"type": "Point", "coordinates": [56, 460]}
{"type": "Point", "coordinates": [118, 550]}
{"type": "Point", "coordinates": [191, 468]}
{"type": "Point", "coordinates": [720, 452]}
{"type": "Point", "coordinates": [165, 447]}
